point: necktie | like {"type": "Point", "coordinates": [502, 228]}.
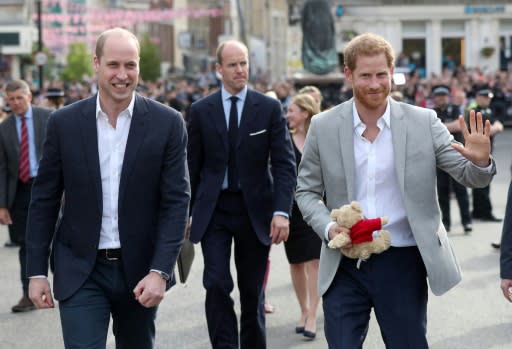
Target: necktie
{"type": "Point", "coordinates": [24, 167]}
{"type": "Point", "coordinates": [233, 138]}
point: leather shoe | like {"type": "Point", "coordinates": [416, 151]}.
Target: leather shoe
{"type": "Point", "coordinates": [25, 304]}
{"type": "Point", "coordinates": [299, 329]}
{"type": "Point", "coordinates": [309, 334]}
{"type": "Point", "coordinates": [490, 218]}
{"type": "Point", "coordinates": [496, 245]}
{"type": "Point", "coordinates": [467, 228]}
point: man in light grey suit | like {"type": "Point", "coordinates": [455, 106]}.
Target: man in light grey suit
{"type": "Point", "coordinates": [384, 154]}
{"type": "Point", "coordinates": [14, 186]}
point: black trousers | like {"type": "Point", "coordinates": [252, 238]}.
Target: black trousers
{"type": "Point", "coordinates": [19, 213]}
{"type": "Point", "coordinates": [231, 223]}
{"type": "Point", "coordinates": [482, 207]}
{"type": "Point", "coordinates": [445, 184]}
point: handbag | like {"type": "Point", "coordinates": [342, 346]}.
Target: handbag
{"type": "Point", "coordinates": [185, 259]}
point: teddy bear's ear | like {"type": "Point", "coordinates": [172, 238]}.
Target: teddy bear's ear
{"type": "Point", "coordinates": [334, 213]}
{"type": "Point", "coordinates": [356, 206]}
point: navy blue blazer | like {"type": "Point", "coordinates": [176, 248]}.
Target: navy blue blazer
{"type": "Point", "coordinates": [154, 194]}
{"type": "Point", "coordinates": [265, 160]}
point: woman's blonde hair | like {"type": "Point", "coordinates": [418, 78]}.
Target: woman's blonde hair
{"type": "Point", "coordinates": [308, 104]}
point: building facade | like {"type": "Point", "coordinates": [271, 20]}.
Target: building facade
{"type": "Point", "coordinates": [432, 35]}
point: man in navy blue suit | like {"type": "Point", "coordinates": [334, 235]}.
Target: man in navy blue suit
{"type": "Point", "coordinates": [121, 161]}
{"type": "Point", "coordinates": [242, 174]}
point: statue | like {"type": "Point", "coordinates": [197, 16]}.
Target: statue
{"type": "Point", "coordinates": [319, 54]}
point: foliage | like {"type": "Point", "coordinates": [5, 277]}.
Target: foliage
{"type": "Point", "coordinates": [149, 60]}
{"type": "Point", "coordinates": [79, 63]}
{"type": "Point", "coordinates": [487, 51]}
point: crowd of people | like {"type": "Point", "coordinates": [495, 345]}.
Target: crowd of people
{"type": "Point", "coordinates": [244, 166]}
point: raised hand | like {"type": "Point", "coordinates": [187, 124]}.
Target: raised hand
{"type": "Point", "coordinates": [477, 141]}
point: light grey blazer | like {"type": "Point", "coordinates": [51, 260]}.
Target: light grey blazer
{"type": "Point", "coordinates": [420, 143]}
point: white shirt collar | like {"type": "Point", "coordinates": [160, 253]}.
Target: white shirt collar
{"type": "Point", "coordinates": [129, 109]}
{"type": "Point", "coordinates": [384, 120]}
{"type": "Point", "coordinates": [226, 95]}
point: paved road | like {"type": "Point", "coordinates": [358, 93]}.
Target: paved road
{"type": "Point", "coordinates": [473, 315]}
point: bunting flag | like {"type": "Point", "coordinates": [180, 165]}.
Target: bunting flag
{"type": "Point", "coordinates": [79, 23]}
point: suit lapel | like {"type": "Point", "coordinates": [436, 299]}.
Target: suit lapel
{"type": "Point", "coordinates": [11, 135]}
{"type": "Point", "coordinates": [90, 144]}
{"type": "Point", "coordinates": [346, 133]}
{"type": "Point", "coordinates": [218, 117]}
{"type": "Point", "coordinates": [136, 135]}
{"type": "Point", "coordinates": [399, 136]}
{"type": "Point", "coordinates": [248, 109]}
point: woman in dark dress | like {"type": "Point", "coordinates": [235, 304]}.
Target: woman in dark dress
{"type": "Point", "coordinates": [303, 245]}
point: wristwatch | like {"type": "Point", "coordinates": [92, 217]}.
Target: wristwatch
{"type": "Point", "coordinates": [163, 275]}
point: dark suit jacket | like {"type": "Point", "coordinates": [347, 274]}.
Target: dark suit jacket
{"type": "Point", "coordinates": [154, 194]}
{"type": "Point", "coordinates": [506, 240]}
{"type": "Point", "coordinates": [265, 160]}
{"type": "Point", "coordinates": [10, 152]}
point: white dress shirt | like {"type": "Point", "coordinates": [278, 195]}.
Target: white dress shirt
{"type": "Point", "coordinates": [376, 183]}
{"type": "Point", "coordinates": [111, 148]}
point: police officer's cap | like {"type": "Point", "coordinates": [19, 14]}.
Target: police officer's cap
{"type": "Point", "coordinates": [440, 90]}
{"type": "Point", "coordinates": [484, 91]}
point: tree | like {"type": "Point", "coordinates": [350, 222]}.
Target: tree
{"type": "Point", "coordinates": [149, 60]}
{"type": "Point", "coordinates": [79, 63]}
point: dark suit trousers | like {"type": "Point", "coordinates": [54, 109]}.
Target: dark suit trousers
{"type": "Point", "coordinates": [445, 184]}
{"type": "Point", "coordinates": [230, 222]}
{"type": "Point", "coordinates": [19, 213]}
{"type": "Point", "coordinates": [86, 314]}
{"type": "Point", "coordinates": [394, 284]}
{"type": "Point", "coordinates": [482, 207]}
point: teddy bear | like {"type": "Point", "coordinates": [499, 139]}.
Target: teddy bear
{"type": "Point", "coordinates": [360, 243]}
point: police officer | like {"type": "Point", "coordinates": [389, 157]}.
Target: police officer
{"type": "Point", "coordinates": [449, 114]}
{"type": "Point", "coordinates": [482, 208]}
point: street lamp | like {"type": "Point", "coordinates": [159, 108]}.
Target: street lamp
{"type": "Point", "coordinates": [40, 53]}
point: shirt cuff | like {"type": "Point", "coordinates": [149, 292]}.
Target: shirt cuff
{"type": "Point", "coordinates": [38, 277]}
{"type": "Point", "coordinates": [281, 213]}
{"type": "Point", "coordinates": [326, 231]}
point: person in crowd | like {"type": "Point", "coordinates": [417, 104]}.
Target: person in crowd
{"type": "Point", "coordinates": [55, 98]}
{"type": "Point", "coordinates": [283, 91]}
{"type": "Point", "coordinates": [314, 92]}
{"type": "Point", "coordinates": [384, 155]}
{"type": "Point", "coordinates": [482, 206]}
{"type": "Point", "coordinates": [303, 245]}
{"type": "Point", "coordinates": [21, 141]}
{"type": "Point", "coordinates": [121, 160]}
{"type": "Point", "coordinates": [460, 100]}
{"type": "Point", "coordinates": [242, 173]}
{"type": "Point", "coordinates": [397, 96]}
{"type": "Point", "coordinates": [449, 115]}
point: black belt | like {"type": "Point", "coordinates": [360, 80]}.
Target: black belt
{"type": "Point", "coordinates": [112, 254]}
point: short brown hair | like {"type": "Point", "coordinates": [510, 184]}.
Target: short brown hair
{"type": "Point", "coordinates": [16, 85]}
{"type": "Point", "coordinates": [100, 42]}
{"type": "Point", "coordinates": [307, 103]}
{"type": "Point", "coordinates": [218, 53]}
{"type": "Point", "coordinates": [367, 44]}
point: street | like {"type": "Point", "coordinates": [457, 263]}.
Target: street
{"type": "Point", "coordinates": [472, 315]}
